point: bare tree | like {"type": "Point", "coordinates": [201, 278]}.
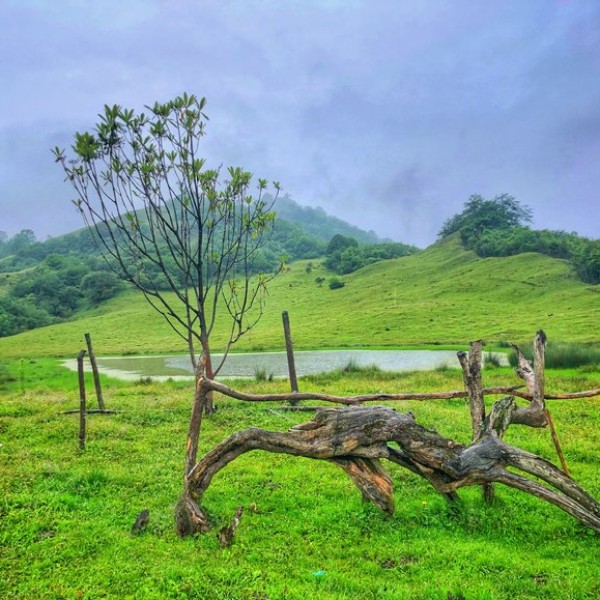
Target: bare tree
{"type": "Point", "coordinates": [168, 224]}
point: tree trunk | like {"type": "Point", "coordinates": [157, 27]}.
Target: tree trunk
{"type": "Point", "coordinates": [208, 373]}
{"type": "Point", "coordinates": [356, 439]}
{"type": "Point", "coordinates": [189, 517]}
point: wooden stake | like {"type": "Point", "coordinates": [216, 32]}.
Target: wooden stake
{"type": "Point", "coordinates": [561, 456]}
{"type": "Point", "coordinates": [82, 413]}
{"type": "Point", "coordinates": [95, 372]}
{"type": "Point", "coordinates": [289, 348]}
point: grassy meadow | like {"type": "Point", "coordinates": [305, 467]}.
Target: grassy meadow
{"type": "Point", "coordinates": [443, 295]}
{"type": "Point", "coordinates": [66, 516]}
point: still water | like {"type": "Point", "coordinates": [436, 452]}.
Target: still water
{"type": "Point", "coordinates": [275, 363]}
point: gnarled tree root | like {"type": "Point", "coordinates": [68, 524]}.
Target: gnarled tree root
{"type": "Point", "coordinates": [357, 438]}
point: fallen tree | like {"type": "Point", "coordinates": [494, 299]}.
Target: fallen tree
{"type": "Point", "coordinates": [356, 438]}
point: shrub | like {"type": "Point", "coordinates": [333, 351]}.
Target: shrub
{"type": "Point", "coordinates": [335, 283]}
{"type": "Point", "coordinates": [261, 374]}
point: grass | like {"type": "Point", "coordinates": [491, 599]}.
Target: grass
{"type": "Point", "coordinates": [261, 374]}
{"type": "Point", "coordinates": [65, 516]}
{"type": "Point", "coordinates": [441, 296]}
{"type": "Point", "coordinates": [563, 355]}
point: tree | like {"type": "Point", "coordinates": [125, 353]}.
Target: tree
{"type": "Point", "coordinates": [163, 219]}
{"type": "Point", "coordinates": [340, 242]}
{"type": "Point", "coordinates": [19, 241]}
{"type": "Point", "coordinates": [99, 286]}
{"type": "Point", "coordinates": [480, 215]}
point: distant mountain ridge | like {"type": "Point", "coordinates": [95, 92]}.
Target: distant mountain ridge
{"type": "Point", "coordinates": [47, 282]}
{"type": "Point", "coordinates": [316, 222]}
{"type": "Point", "coordinates": [441, 295]}
{"type": "Point", "coordinates": [300, 232]}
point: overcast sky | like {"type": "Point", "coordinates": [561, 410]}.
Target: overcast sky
{"type": "Point", "coordinates": [387, 113]}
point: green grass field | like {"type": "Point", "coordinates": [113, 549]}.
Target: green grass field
{"type": "Point", "coordinates": [65, 516]}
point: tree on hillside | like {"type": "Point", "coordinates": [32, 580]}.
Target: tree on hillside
{"type": "Point", "coordinates": [164, 220]}
{"type": "Point", "coordinates": [480, 215]}
{"type": "Point", "coordinates": [16, 243]}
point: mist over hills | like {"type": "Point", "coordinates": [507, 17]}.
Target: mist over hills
{"type": "Point", "coordinates": [316, 222]}
{"type": "Point", "coordinates": [299, 232]}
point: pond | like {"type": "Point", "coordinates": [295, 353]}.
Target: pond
{"type": "Point", "coordinates": [275, 363]}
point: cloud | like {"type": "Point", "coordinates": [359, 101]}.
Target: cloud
{"type": "Point", "coordinates": [388, 114]}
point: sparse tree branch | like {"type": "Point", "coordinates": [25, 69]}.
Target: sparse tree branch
{"type": "Point", "coordinates": [166, 222]}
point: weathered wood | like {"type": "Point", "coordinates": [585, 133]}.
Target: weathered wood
{"type": "Point", "coordinates": [190, 519]}
{"type": "Point", "coordinates": [371, 479]}
{"type": "Point", "coordinates": [471, 368]}
{"type": "Point", "coordinates": [95, 372]}
{"type": "Point", "coordinates": [289, 349]}
{"type": "Point", "coordinates": [82, 399]}
{"type": "Point", "coordinates": [225, 535]}
{"type": "Point", "coordinates": [356, 438]}
{"type": "Point", "coordinates": [220, 387]}
{"type": "Point", "coordinates": [141, 521]}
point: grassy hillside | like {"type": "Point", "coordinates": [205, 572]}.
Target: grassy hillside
{"type": "Point", "coordinates": [441, 295]}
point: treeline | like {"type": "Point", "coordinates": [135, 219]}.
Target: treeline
{"type": "Point", "coordinates": [52, 291]}
{"type": "Point", "coordinates": [345, 255]}
{"type": "Point", "coordinates": [318, 224]}
{"type": "Point", "coordinates": [23, 250]}
{"type": "Point", "coordinates": [498, 227]}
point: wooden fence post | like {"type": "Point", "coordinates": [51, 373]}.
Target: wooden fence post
{"type": "Point", "coordinates": [95, 372]}
{"type": "Point", "coordinates": [471, 368]}
{"type": "Point", "coordinates": [82, 407]}
{"type": "Point", "coordinates": [539, 363]}
{"type": "Point", "coordinates": [289, 347]}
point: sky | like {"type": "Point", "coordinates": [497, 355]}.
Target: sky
{"type": "Point", "coordinates": [389, 114]}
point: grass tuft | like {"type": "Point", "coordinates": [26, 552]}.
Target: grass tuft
{"type": "Point", "coordinates": [565, 356]}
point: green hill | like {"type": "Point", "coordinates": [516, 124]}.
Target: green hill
{"type": "Point", "coordinates": [441, 295]}
{"type": "Point", "coordinates": [317, 223]}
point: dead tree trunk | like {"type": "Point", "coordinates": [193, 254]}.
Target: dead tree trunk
{"type": "Point", "coordinates": [356, 438]}
{"type": "Point", "coordinates": [471, 368]}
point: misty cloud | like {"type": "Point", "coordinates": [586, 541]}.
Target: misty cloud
{"type": "Point", "coordinates": [388, 114]}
